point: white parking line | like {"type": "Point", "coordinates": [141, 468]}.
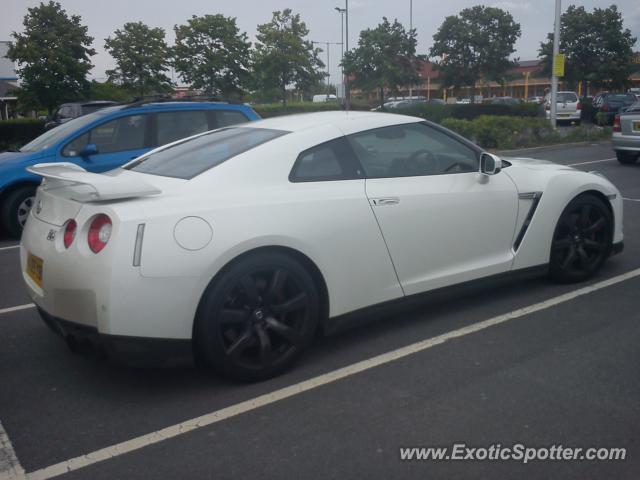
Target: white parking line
{"type": "Point", "coordinates": [306, 385]}
{"type": "Point", "coordinates": [10, 468]}
{"type": "Point", "coordinates": [592, 161]}
{"type": "Point", "coordinates": [10, 247]}
{"type": "Point", "coordinates": [16, 308]}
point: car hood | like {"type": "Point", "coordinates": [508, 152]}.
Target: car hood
{"type": "Point", "coordinates": [17, 159]}
{"type": "Point", "coordinates": [534, 164]}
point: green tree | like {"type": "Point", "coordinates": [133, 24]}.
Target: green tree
{"type": "Point", "coordinates": [109, 91]}
{"type": "Point", "coordinates": [52, 56]}
{"type": "Point", "coordinates": [385, 58]}
{"type": "Point", "coordinates": [212, 55]}
{"type": "Point", "coordinates": [142, 56]}
{"type": "Point", "coordinates": [475, 44]}
{"type": "Point", "coordinates": [283, 57]}
{"type": "Point", "coordinates": [597, 47]}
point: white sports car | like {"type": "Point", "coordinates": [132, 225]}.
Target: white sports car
{"type": "Point", "coordinates": [240, 243]}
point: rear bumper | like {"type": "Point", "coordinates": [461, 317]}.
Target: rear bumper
{"type": "Point", "coordinates": [572, 116]}
{"type": "Point", "coordinates": [625, 142]}
{"type": "Point", "coordinates": [139, 351]}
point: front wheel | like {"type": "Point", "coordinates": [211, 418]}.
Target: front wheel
{"type": "Point", "coordinates": [257, 317]}
{"type": "Point", "coordinates": [582, 240]}
{"type": "Point", "coordinates": [15, 210]}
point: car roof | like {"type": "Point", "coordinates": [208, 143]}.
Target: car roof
{"type": "Point", "coordinates": [339, 118]}
{"type": "Point", "coordinates": [168, 106]}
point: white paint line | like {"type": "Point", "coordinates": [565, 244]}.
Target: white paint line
{"type": "Point", "coordinates": [592, 161]}
{"type": "Point", "coordinates": [10, 468]}
{"type": "Point", "coordinates": [306, 385]}
{"type": "Point", "coordinates": [631, 199]}
{"type": "Point", "coordinates": [10, 247]}
{"type": "Point", "coordinates": [16, 308]}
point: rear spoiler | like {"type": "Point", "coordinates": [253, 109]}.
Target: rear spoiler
{"type": "Point", "coordinates": [101, 186]}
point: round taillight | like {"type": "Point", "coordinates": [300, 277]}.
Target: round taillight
{"type": "Point", "coordinates": [69, 232]}
{"type": "Point", "coordinates": [99, 232]}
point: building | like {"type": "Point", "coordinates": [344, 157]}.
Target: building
{"type": "Point", "coordinates": [523, 81]}
{"type": "Point", "coordinates": [8, 82]}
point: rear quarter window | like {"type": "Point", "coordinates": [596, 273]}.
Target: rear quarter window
{"type": "Point", "coordinates": [194, 156]}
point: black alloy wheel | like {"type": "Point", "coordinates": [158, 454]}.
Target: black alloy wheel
{"type": "Point", "coordinates": [582, 239]}
{"type": "Point", "coordinates": [257, 317]}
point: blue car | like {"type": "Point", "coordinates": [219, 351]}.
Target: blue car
{"type": "Point", "coordinates": [104, 140]}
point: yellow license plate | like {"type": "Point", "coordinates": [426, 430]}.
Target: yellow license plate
{"type": "Point", "coordinates": [636, 126]}
{"type": "Point", "coordinates": [34, 268]}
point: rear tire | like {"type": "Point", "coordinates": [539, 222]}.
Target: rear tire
{"type": "Point", "coordinates": [257, 317]}
{"type": "Point", "coordinates": [626, 158]}
{"type": "Point", "coordinates": [581, 241]}
{"type": "Point", "coordinates": [15, 210]}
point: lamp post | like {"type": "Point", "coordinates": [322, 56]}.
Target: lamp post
{"type": "Point", "coordinates": [341, 11]}
{"type": "Point", "coordinates": [410, 28]}
{"type": "Point", "coordinates": [328, 67]}
{"type": "Point", "coordinates": [347, 93]}
{"type": "Point", "coordinates": [554, 78]}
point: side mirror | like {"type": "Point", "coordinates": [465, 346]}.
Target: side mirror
{"type": "Point", "coordinates": [88, 150]}
{"type": "Point", "coordinates": [490, 164]}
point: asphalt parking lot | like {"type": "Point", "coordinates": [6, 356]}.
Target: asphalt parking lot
{"type": "Point", "coordinates": [530, 362]}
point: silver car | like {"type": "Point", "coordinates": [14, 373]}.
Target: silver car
{"type": "Point", "coordinates": [626, 134]}
{"type": "Point", "coordinates": [568, 107]}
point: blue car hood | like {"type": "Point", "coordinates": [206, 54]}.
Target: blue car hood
{"type": "Point", "coordinates": [18, 158]}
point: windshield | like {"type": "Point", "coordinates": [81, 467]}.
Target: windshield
{"type": "Point", "coordinates": [620, 97]}
{"type": "Point", "coordinates": [567, 97]}
{"type": "Point", "coordinates": [193, 156]}
{"type": "Point", "coordinates": [58, 133]}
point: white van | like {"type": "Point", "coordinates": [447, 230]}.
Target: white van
{"type": "Point", "coordinates": [323, 97]}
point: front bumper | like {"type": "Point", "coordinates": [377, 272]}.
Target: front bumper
{"type": "Point", "coordinates": [137, 351]}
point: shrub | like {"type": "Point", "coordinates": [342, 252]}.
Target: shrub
{"type": "Point", "coordinates": [437, 113]}
{"type": "Point", "coordinates": [267, 110]}
{"type": "Point", "coordinates": [500, 132]}
{"type": "Point", "coordinates": [15, 133]}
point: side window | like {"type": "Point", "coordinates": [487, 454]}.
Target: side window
{"type": "Point", "coordinates": [331, 160]}
{"type": "Point", "coordinates": [410, 150]}
{"type": "Point", "coordinates": [73, 149]}
{"type": "Point", "coordinates": [224, 118]}
{"type": "Point", "coordinates": [125, 133]}
{"type": "Point", "coordinates": [173, 126]}
{"type": "Point", "coordinates": [65, 112]}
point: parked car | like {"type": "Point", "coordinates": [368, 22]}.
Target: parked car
{"type": "Point", "coordinates": [241, 244]}
{"type": "Point", "coordinates": [69, 111]}
{"type": "Point", "coordinates": [610, 104]}
{"type": "Point", "coordinates": [505, 101]}
{"type": "Point", "coordinates": [568, 107]}
{"type": "Point", "coordinates": [536, 99]}
{"type": "Point", "coordinates": [104, 140]}
{"type": "Point", "coordinates": [626, 134]}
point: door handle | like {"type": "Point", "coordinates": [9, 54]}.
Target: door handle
{"type": "Point", "coordinates": [382, 201]}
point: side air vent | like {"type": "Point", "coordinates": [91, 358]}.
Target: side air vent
{"type": "Point", "coordinates": [535, 197]}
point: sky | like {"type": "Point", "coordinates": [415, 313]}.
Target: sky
{"type": "Point", "coordinates": [102, 17]}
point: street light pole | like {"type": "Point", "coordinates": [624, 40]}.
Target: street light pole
{"type": "Point", "coordinates": [328, 64]}
{"type": "Point", "coordinates": [410, 28]}
{"type": "Point", "coordinates": [554, 78]}
{"type": "Point", "coordinates": [341, 11]}
{"type": "Point", "coordinates": [346, 34]}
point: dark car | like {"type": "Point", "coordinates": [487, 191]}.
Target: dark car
{"type": "Point", "coordinates": [609, 104]}
{"type": "Point", "coordinates": [69, 111]}
{"type": "Point", "coordinates": [505, 101]}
